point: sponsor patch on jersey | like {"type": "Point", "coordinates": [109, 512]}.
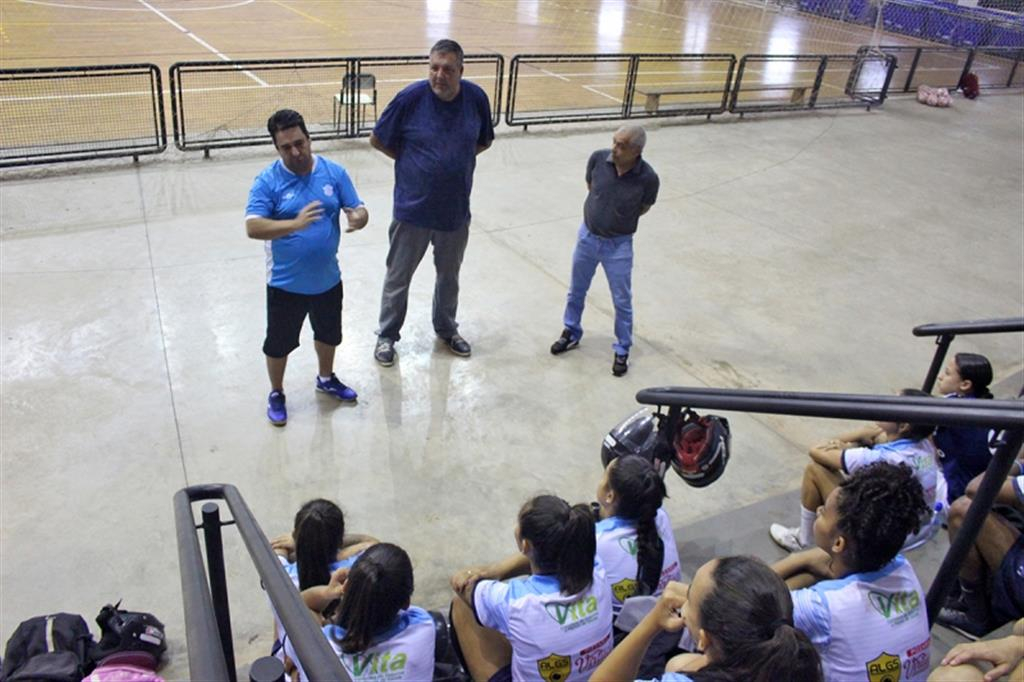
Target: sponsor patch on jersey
{"type": "Point", "coordinates": [554, 668]}
{"type": "Point", "coordinates": [623, 589]}
{"type": "Point", "coordinates": [895, 607]}
{"type": "Point", "coordinates": [628, 545]}
{"type": "Point", "coordinates": [884, 668]}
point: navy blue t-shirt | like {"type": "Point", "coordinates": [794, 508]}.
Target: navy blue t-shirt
{"type": "Point", "coordinates": [963, 454]}
{"type": "Point", "coordinates": [435, 142]}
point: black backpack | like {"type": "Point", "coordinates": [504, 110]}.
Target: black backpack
{"type": "Point", "coordinates": [54, 648]}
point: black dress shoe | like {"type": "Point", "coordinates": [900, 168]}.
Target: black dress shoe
{"type": "Point", "coordinates": [621, 365]}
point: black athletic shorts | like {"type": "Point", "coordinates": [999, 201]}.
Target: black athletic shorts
{"type": "Point", "coordinates": [1008, 585]}
{"type": "Point", "coordinates": [286, 312]}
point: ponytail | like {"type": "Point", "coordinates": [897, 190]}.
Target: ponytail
{"type": "Point", "coordinates": [640, 491]}
{"type": "Point", "coordinates": [976, 369]}
{"type": "Point", "coordinates": [379, 585]}
{"type": "Point", "coordinates": [563, 540]}
{"type": "Point", "coordinates": [318, 531]}
{"type": "Point", "coordinates": [749, 616]}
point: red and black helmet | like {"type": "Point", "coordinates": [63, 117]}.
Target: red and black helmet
{"type": "Point", "coordinates": [701, 447]}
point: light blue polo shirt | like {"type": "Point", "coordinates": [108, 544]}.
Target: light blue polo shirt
{"type": "Point", "coordinates": [303, 262]}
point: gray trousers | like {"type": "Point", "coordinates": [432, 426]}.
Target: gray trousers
{"type": "Point", "coordinates": [408, 243]}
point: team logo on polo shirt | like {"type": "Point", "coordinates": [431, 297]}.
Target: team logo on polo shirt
{"type": "Point", "coordinates": [328, 190]}
{"type": "Point", "coordinates": [623, 589]}
{"type": "Point", "coordinates": [884, 668]}
{"type": "Point", "coordinates": [554, 668]}
{"type": "Point", "coordinates": [628, 545]}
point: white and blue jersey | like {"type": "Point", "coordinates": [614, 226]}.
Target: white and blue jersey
{"type": "Point", "coordinates": [402, 653]}
{"type": "Point", "coordinates": [868, 626]}
{"type": "Point", "coordinates": [921, 457]}
{"type": "Point", "coordinates": [292, 569]}
{"type": "Point", "coordinates": [303, 262]}
{"type": "Point", "coordinates": [617, 550]}
{"type": "Point", "coordinates": [553, 636]}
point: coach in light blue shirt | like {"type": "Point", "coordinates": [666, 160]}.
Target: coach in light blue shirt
{"type": "Point", "coordinates": [433, 129]}
{"type": "Point", "coordinates": [295, 207]}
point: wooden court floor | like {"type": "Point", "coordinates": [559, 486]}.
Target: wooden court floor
{"type": "Point", "coordinates": [76, 32]}
{"type": "Point", "coordinates": [39, 33]}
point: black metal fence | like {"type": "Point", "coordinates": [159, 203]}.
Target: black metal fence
{"type": "Point", "coordinates": [943, 67]}
{"type": "Point", "coordinates": [226, 104]}
{"type": "Point", "coordinates": [767, 82]}
{"type": "Point", "coordinates": [207, 619]}
{"type": "Point", "coordinates": [217, 104]}
{"type": "Point", "coordinates": [562, 88]}
{"type": "Point", "coordinates": [80, 112]}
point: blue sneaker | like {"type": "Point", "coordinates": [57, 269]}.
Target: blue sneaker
{"type": "Point", "coordinates": [276, 412]}
{"type": "Point", "coordinates": [336, 389]}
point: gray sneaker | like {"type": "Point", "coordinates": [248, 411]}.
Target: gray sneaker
{"type": "Point", "coordinates": [384, 353]}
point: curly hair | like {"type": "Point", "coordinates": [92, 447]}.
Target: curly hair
{"type": "Point", "coordinates": [879, 506]}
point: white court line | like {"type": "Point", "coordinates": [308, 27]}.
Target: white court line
{"type": "Point", "coordinates": [134, 9]}
{"type": "Point", "coordinates": [552, 73]}
{"type": "Point", "coordinates": [199, 40]}
{"type": "Point", "coordinates": [603, 94]}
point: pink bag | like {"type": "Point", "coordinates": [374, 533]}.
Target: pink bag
{"type": "Point", "coordinates": [122, 672]}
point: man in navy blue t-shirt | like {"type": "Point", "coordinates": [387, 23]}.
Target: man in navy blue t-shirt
{"type": "Point", "coordinates": [433, 129]}
{"type": "Point", "coordinates": [295, 208]}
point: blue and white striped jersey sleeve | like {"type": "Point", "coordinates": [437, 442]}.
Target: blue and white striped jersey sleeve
{"type": "Point", "coordinates": [491, 604]}
{"type": "Point", "coordinates": [811, 616]}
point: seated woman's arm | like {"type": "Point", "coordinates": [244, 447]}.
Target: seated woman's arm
{"type": "Point", "coordinates": [814, 562]}
{"type": "Point", "coordinates": [509, 567]}
{"type": "Point", "coordinates": [624, 660]}
{"type": "Point", "coordinates": [317, 598]}
{"type": "Point", "coordinates": [1005, 654]}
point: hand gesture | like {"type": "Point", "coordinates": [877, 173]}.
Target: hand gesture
{"type": "Point", "coordinates": [336, 585]}
{"type": "Point", "coordinates": [357, 218]}
{"type": "Point", "coordinates": [669, 609]}
{"type": "Point", "coordinates": [283, 544]}
{"type": "Point", "coordinates": [1003, 653]}
{"type": "Point", "coordinates": [466, 578]}
{"type": "Point", "coordinates": [309, 214]}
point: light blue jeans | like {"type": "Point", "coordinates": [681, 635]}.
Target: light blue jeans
{"type": "Point", "coordinates": [615, 255]}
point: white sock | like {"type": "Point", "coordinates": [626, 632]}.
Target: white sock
{"type": "Point", "coordinates": [325, 379]}
{"type": "Point", "coordinates": [807, 527]}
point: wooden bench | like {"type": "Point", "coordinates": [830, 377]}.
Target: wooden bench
{"type": "Point", "coordinates": [654, 95]}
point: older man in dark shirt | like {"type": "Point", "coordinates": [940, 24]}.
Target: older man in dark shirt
{"type": "Point", "coordinates": [622, 188]}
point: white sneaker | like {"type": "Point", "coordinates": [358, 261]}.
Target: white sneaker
{"type": "Point", "coordinates": [786, 538]}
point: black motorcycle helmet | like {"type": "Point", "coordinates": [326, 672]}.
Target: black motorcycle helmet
{"type": "Point", "coordinates": [635, 435]}
{"type": "Point", "coordinates": [701, 447]}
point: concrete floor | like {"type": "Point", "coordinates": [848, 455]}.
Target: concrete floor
{"type": "Point", "coordinates": [788, 252]}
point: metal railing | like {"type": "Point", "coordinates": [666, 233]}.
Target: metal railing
{"type": "Point", "coordinates": [768, 83]}
{"type": "Point", "coordinates": [1007, 415]}
{"type": "Point", "coordinates": [74, 113]}
{"type": "Point", "coordinates": [944, 67]}
{"type": "Point", "coordinates": [945, 332]}
{"type": "Point", "coordinates": [207, 619]}
{"type": "Point", "coordinates": [392, 74]}
{"type": "Point", "coordinates": [227, 104]}
{"type": "Point", "coordinates": [565, 88]}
